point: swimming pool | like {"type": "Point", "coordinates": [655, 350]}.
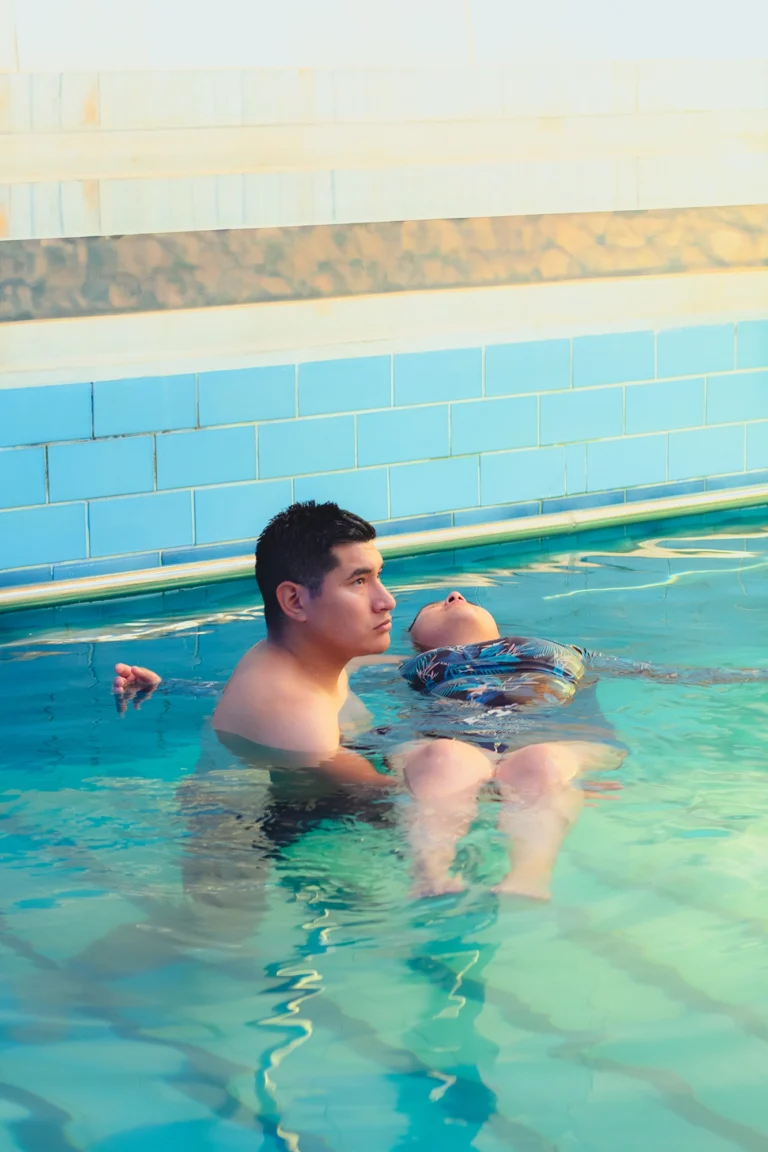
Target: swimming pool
{"type": "Point", "coordinates": [305, 1002]}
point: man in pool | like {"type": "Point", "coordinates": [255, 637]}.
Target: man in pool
{"type": "Point", "coordinates": [325, 607]}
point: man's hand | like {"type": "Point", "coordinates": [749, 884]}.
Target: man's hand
{"type": "Point", "coordinates": [133, 683]}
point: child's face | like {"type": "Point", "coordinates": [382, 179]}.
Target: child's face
{"type": "Point", "coordinates": [453, 621]}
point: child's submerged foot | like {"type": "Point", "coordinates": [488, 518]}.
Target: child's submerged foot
{"type": "Point", "coordinates": [436, 886]}
{"type": "Point", "coordinates": [528, 888]}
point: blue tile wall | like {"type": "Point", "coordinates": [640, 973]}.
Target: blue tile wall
{"type": "Point", "coordinates": [150, 404]}
{"type": "Point", "coordinates": [575, 468]}
{"type": "Point", "coordinates": [614, 359]}
{"type": "Point", "coordinates": [538, 366]}
{"type": "Point", "coordinates": [365, 490]}
{"type": "Point", "coordinates": [210, 456]}
{"type": "Point", "coordinates": [140, 523]}
{"type": "Point", "coordinates": [507, 476]}
{"type": "Point", "coordinates": [79, 569]}
{"type": "Point", "coordinates": [90, 468]}
{"type": "Point", "coordinates": [417, 524]}
{"type": "Point", "coordinates": [486, 514]}
{"type": "Point", "coordinates": [488, 425]}
{"type": "Point", "coordinates": [297, 447]}
{"type": "Point", "coordinates": [569, 416]}
{"type": "Point", "coordinates": [106, 476]}
{"type": "Point", "coordinates": [428, 377]}
{"type": "Point", "coordinates": [627, 462]}
{"type": "Point", "coordinates": [737, 396]}
{"type": "Point", "coordinates": [237, 511]}
{"type": "Point", "coordinates": [22, 477]}
{"type": "Point", "coordinates": [245, 395]}
{"type": "Point", "coordinates": [43, 415]}
{"type": "Point", "coordinates": [439, 486]}
{"type": "Point", "coordinates": [660, 407]}
{"type": "Point", "coordinates": [689, 351]}
{"type": "Point", "coordinates": [585, 500]}
{"type": "Point", "coordinates": [752, 344]}
{"type": "Point", "coordinates": [757, 445]}
{"type": "Point", "coordinates": [706, 451]}
{"type": "Point", "coordinates": [345, 385]}
{"type": "Point", "coordinates": [42, 535]}
{"type": "Point", "coordinates": [402, 434]}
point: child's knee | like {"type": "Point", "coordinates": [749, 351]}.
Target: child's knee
{"type": "Point", "coordinates": [440, 768]}
{"type": "Point", "coordinates": [540, 768]}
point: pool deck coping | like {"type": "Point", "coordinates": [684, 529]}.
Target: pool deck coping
{"type": "Point", "coordinates": [116, 584]}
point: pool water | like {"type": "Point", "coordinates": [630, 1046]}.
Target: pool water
{"type": "Point", "coordinates": [302, 1001]}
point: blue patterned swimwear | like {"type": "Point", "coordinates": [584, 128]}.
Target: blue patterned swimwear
{"type": "Point", "coordinates": [512, 672]}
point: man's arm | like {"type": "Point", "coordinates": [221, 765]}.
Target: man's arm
{"type": "Point", "coordinates": [308, 737]}
{"type": "Point", "coordinates": [134, 683]}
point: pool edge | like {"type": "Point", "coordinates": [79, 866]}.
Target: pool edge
{"type": "Point", "coordinates": [413, 543]}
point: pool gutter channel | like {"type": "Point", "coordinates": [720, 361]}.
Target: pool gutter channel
{"type": "Point", "coordinates": [173, 576]}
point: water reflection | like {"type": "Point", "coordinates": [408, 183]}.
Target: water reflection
{"type": "Point", "coordinates": [171, 977]}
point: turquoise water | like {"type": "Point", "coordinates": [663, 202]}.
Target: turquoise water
{"type": "Point", "coordinates": [165, 984]}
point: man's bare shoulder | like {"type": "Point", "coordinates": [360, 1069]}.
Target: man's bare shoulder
{"type": "Point", "coordinates": [270, 701]}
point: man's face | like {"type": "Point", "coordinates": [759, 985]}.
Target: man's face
{"type": "Point", "coordinates": [351, 614]}
{"type": "Point", "coordinates": [452, 622]}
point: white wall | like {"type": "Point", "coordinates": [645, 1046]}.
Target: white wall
{"type": "Point", "coordinates": [169, 115]}
{"type": "Point", "coordinates": [90, 153]}
{"type": "Point", "coordinates": [82, 35]}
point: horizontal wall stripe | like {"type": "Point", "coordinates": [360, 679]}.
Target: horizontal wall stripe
{"type": "Point", "coordinates": [76, 82]}
{"type": "Point", "coordinates": [100, 275]}
{"type": "Point", "coordinates": [139, 150]}
{"type": "Point", "coordinates": [106, 348]}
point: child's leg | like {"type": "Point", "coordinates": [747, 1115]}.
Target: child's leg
{"type": "Point", "coordinates": [444, 777]}
{"type": "Point", "coordinates": [540, 804]}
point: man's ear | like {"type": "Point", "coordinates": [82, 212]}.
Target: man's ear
{"type": "Point", "coordinates": [292, 599]}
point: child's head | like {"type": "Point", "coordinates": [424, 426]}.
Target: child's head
{"type": "Point", "coordinates": [452, 622]}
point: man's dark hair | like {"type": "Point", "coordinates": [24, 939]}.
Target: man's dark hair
{"type": "Point", "coordinates": [297, 545]}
